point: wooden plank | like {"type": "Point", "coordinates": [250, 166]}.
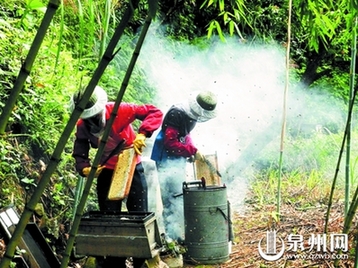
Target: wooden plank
{"type": "Point", "coordinates": [202, 170]}
{"type": "Point", "coordinates": [122, 175]}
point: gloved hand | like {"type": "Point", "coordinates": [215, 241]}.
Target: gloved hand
{"type": "Point", "coordinates": [191, 159]}
{"type": "Point", "coordinates": [139, 143]}
{"type": "Point", "coordinates": [199, 156]}
{"type": "Point", "coordinates": [86, 171]}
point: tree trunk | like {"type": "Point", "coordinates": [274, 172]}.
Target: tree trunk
{"type": "Point", "coordinates": [311, 75]}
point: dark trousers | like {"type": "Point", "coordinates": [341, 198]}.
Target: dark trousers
{"type": "Point", "coordinates": [137, 200]}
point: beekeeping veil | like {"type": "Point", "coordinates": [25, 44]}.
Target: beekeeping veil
{"type": "Point", "coordinates": [201, 106]}
{"type": "Point", "coordinates": [95, 104]}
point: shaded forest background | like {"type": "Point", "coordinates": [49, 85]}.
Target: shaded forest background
{"type": "Point", "coordinates": [321, 46]}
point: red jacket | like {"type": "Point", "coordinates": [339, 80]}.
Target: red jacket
{"type": "Point", "coordinates": [174, 140]}
{"type": "Point", "coordinates": [122, 129]}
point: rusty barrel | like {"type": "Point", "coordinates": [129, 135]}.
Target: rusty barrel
{"type": "Point", "coordinates": [206, 223]}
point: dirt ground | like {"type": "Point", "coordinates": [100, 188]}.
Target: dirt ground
{"type": "Point", "coordinates": [251, 227]}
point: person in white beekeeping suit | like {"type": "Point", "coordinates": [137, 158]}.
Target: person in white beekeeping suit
{"type": "Point", "coordinates": [172, 148]}
{"type": "Point", "coordinates": [89, 131]}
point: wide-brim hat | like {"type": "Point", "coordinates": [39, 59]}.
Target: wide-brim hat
{"type": "Point", "coordinates": [203, 106]}
{"type": "Point", "coordinates": [95, 105]}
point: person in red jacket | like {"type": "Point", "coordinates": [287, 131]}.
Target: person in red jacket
{"type": "Point", "coordinates": [172, 148]}
{"type": "Point", "coordinates": [89, 130]}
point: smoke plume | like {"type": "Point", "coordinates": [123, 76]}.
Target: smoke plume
{"type": "Point", "coordinates": [249, 80]}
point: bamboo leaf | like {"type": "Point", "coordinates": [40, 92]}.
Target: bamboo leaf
{"type": "Point", "coordinates": [60, 35]}
{"type": "Point", "coordinates": [38, 5]}
{"type": "Point", "coordinates": [82, 32]}
{"type": "Point", "coordinates": [221, 5]}
{"type": "Point", "coordinates": [231, 27]}
{"type": "Point", "coordinates": [328, 25]}
{"type": "Point", "coordinates": [204, 4]}
{"type": "Point", "coordinates": [210, 29]}
{"type": "Point", "coordinates": [210, 2]}
{"type": "Point", "coordinates": [218, 29]}
{"type": "Point", "coordinates": [225, 17]}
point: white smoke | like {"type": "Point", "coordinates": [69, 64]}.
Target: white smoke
{"type": "Point", "coordinates": [249, 80]}
{"type": "Point", "coordinates": [249, 83]}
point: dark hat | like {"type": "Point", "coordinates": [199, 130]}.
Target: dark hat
{"type": "Point", "coordinates": [202, 106]}
{"type": "Point", "coordinates": [207, 100]}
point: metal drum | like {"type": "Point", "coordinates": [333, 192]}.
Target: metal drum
{"type": "Point", "coordinates": [206, 223]}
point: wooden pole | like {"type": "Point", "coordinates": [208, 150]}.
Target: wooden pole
{"type": "Point", "coordinates": [283, 128]}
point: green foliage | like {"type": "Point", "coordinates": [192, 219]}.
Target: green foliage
{"type": "Point", "coordinates": [305, 153]}
{"type": "Point", "coordinates": [14, 44]}
{"type": "Point", "coordinates": [41, 111]}
{"type": "Point", "coordinates": [184, 20]}
{"type": "Point", "coordinates": [11, 161]}
{"type": "Point", "coordinates": [340, 88]}
{"type": "Point", "coordinates": [230, 14]}
{"type": "Point", "coordinates": [321, 18]}
{"type": "Point", "coordinates": [309, 164]}
{"type": "Point", "coordinates": [303, 189]}
{"type": "Point", "coordinates": [139, 90]}
{"type": "Point", "coordinates": [267, 21]}
{"type": "Point", "coordinates": [31, 15]}
{"type": "Point", "coordinates": [75, 43]}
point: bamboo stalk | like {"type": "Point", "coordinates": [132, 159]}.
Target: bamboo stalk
{"type": "Point", "coordinates": [283, 129]}
{"type": "Point", "coordinates": [152, 10]}
{"type": "Point", "coordinates": [350, 210]}
{"type": "Point", "coordinates": [351, 89]}
{"type": "Point", "coordinates": [330, 201]}
{"type": "Point", "coordinates": [27, 64]}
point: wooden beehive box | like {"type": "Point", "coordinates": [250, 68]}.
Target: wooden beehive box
{"type": "Point", "coordinates": [118, 235]}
